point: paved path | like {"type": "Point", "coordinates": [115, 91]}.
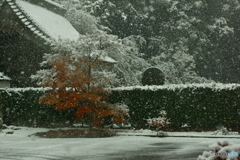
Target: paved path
{"type": "Point", "coordinates": [114, 148]}
{"type": "Point", "coordinates": [158, 151]}
{"type": "Point", "coordinates": [165, 151]}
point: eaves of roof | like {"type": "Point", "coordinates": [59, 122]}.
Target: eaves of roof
{"type": "Point", "coordinates": [43, 23]}
{"type": "Point", "coordinates": [50, 5]}
{"type": "Point", "coordinates": [27, 21]}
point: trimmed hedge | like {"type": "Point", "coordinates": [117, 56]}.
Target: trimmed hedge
{"type": "Point", "coordinates": [21, 107]}
{"type": "Point", "coordinates": [203, 106]}
{"type": "Point", "coordinates": [196, 105]}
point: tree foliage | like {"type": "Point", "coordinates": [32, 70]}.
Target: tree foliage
{"type": "Point", "coordinates": [206, 32]}
{"type": "Point", "coordinates": [78, 76]}
{"type": "Point", "coordinates": [82, 21]}
{"type": "Point", "coordinates": [206, 29]}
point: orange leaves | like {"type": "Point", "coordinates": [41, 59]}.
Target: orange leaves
{"type": "Point", "coordinates": [62, 99]}
{"type": "Point", "coordinates": [96, 121]}
{"type": "Point", "coordinates": [78, 81]}
{"type": "Point", "coordinates": [83, 110]}
{"type": "Point", "coordinates": [103, 111]}
{"type": "Point", "coordinates": [119, 114]}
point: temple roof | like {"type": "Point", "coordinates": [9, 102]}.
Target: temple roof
{"type": "Point", "coordinates": [43, 22]}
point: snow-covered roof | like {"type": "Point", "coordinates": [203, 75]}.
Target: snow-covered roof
{"type": "Point", "coordinates": [3, 77]}
{"type": "Point", "coordinates": [108, 59]}
{"type": "Point", "coordinates": [45, 22]}
{"type": "Point", "coordinates": [42, 22]}
{"type": "Point", "coordinates": [105, 58]}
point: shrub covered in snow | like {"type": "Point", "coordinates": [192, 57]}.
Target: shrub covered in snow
{"type": "Point", "coordinates": [221, 151]}
{"type": "Point", "coordinates": [159, 122]}
{"type": "Point", "coordinates": [221, 131]}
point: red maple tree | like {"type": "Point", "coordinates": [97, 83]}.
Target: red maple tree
{"type": "Point", "coordinates": [80, 82]}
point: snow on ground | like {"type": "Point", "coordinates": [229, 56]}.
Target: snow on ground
{"type": "Point", "coordinates": [21, 146]}
{"type": "Point", "coordinates": [20, 131]}
{"type": "Point", "coordinates": [147, 132]}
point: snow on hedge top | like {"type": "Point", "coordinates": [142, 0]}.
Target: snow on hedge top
{"type": "Point", "coordinates": [52, 24]}
{"type": "Point", "coordinates": [213, 86]}
{"type": "Point", "coordinates": [2, 77]}
{"type": "Point", "coordinates": [16, 90]}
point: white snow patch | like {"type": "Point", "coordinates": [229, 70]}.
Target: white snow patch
{"type": "Point", "coordinates": [20, 131]}
{"type": "Point", "coordinates": [3, 77]}
{"type": "Point", "coordinates": [107, 59]}
{"type": "Point", "coordinates": [20, 146]}
{"type": "Point", "coordinates": [147, 132]}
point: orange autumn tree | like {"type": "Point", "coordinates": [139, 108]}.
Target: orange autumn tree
{"type": "Point", "coordinates": [78, 76]}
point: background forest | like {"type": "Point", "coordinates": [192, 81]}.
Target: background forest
{"type": "Point", "coordinates": [191, 41]}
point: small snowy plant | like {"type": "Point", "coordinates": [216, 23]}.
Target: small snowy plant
{"type": "Point", "coordinates": [222, 131]}
{"type": "Point", "coordinates": [221, 151]}
{"type": "Point", "coordinates": [159, 122]}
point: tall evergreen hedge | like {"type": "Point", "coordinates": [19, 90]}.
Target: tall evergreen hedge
{"type": "Point", "coordinates": [21, 107]}
{"type": "Point", "coordinates": [197, 105]}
